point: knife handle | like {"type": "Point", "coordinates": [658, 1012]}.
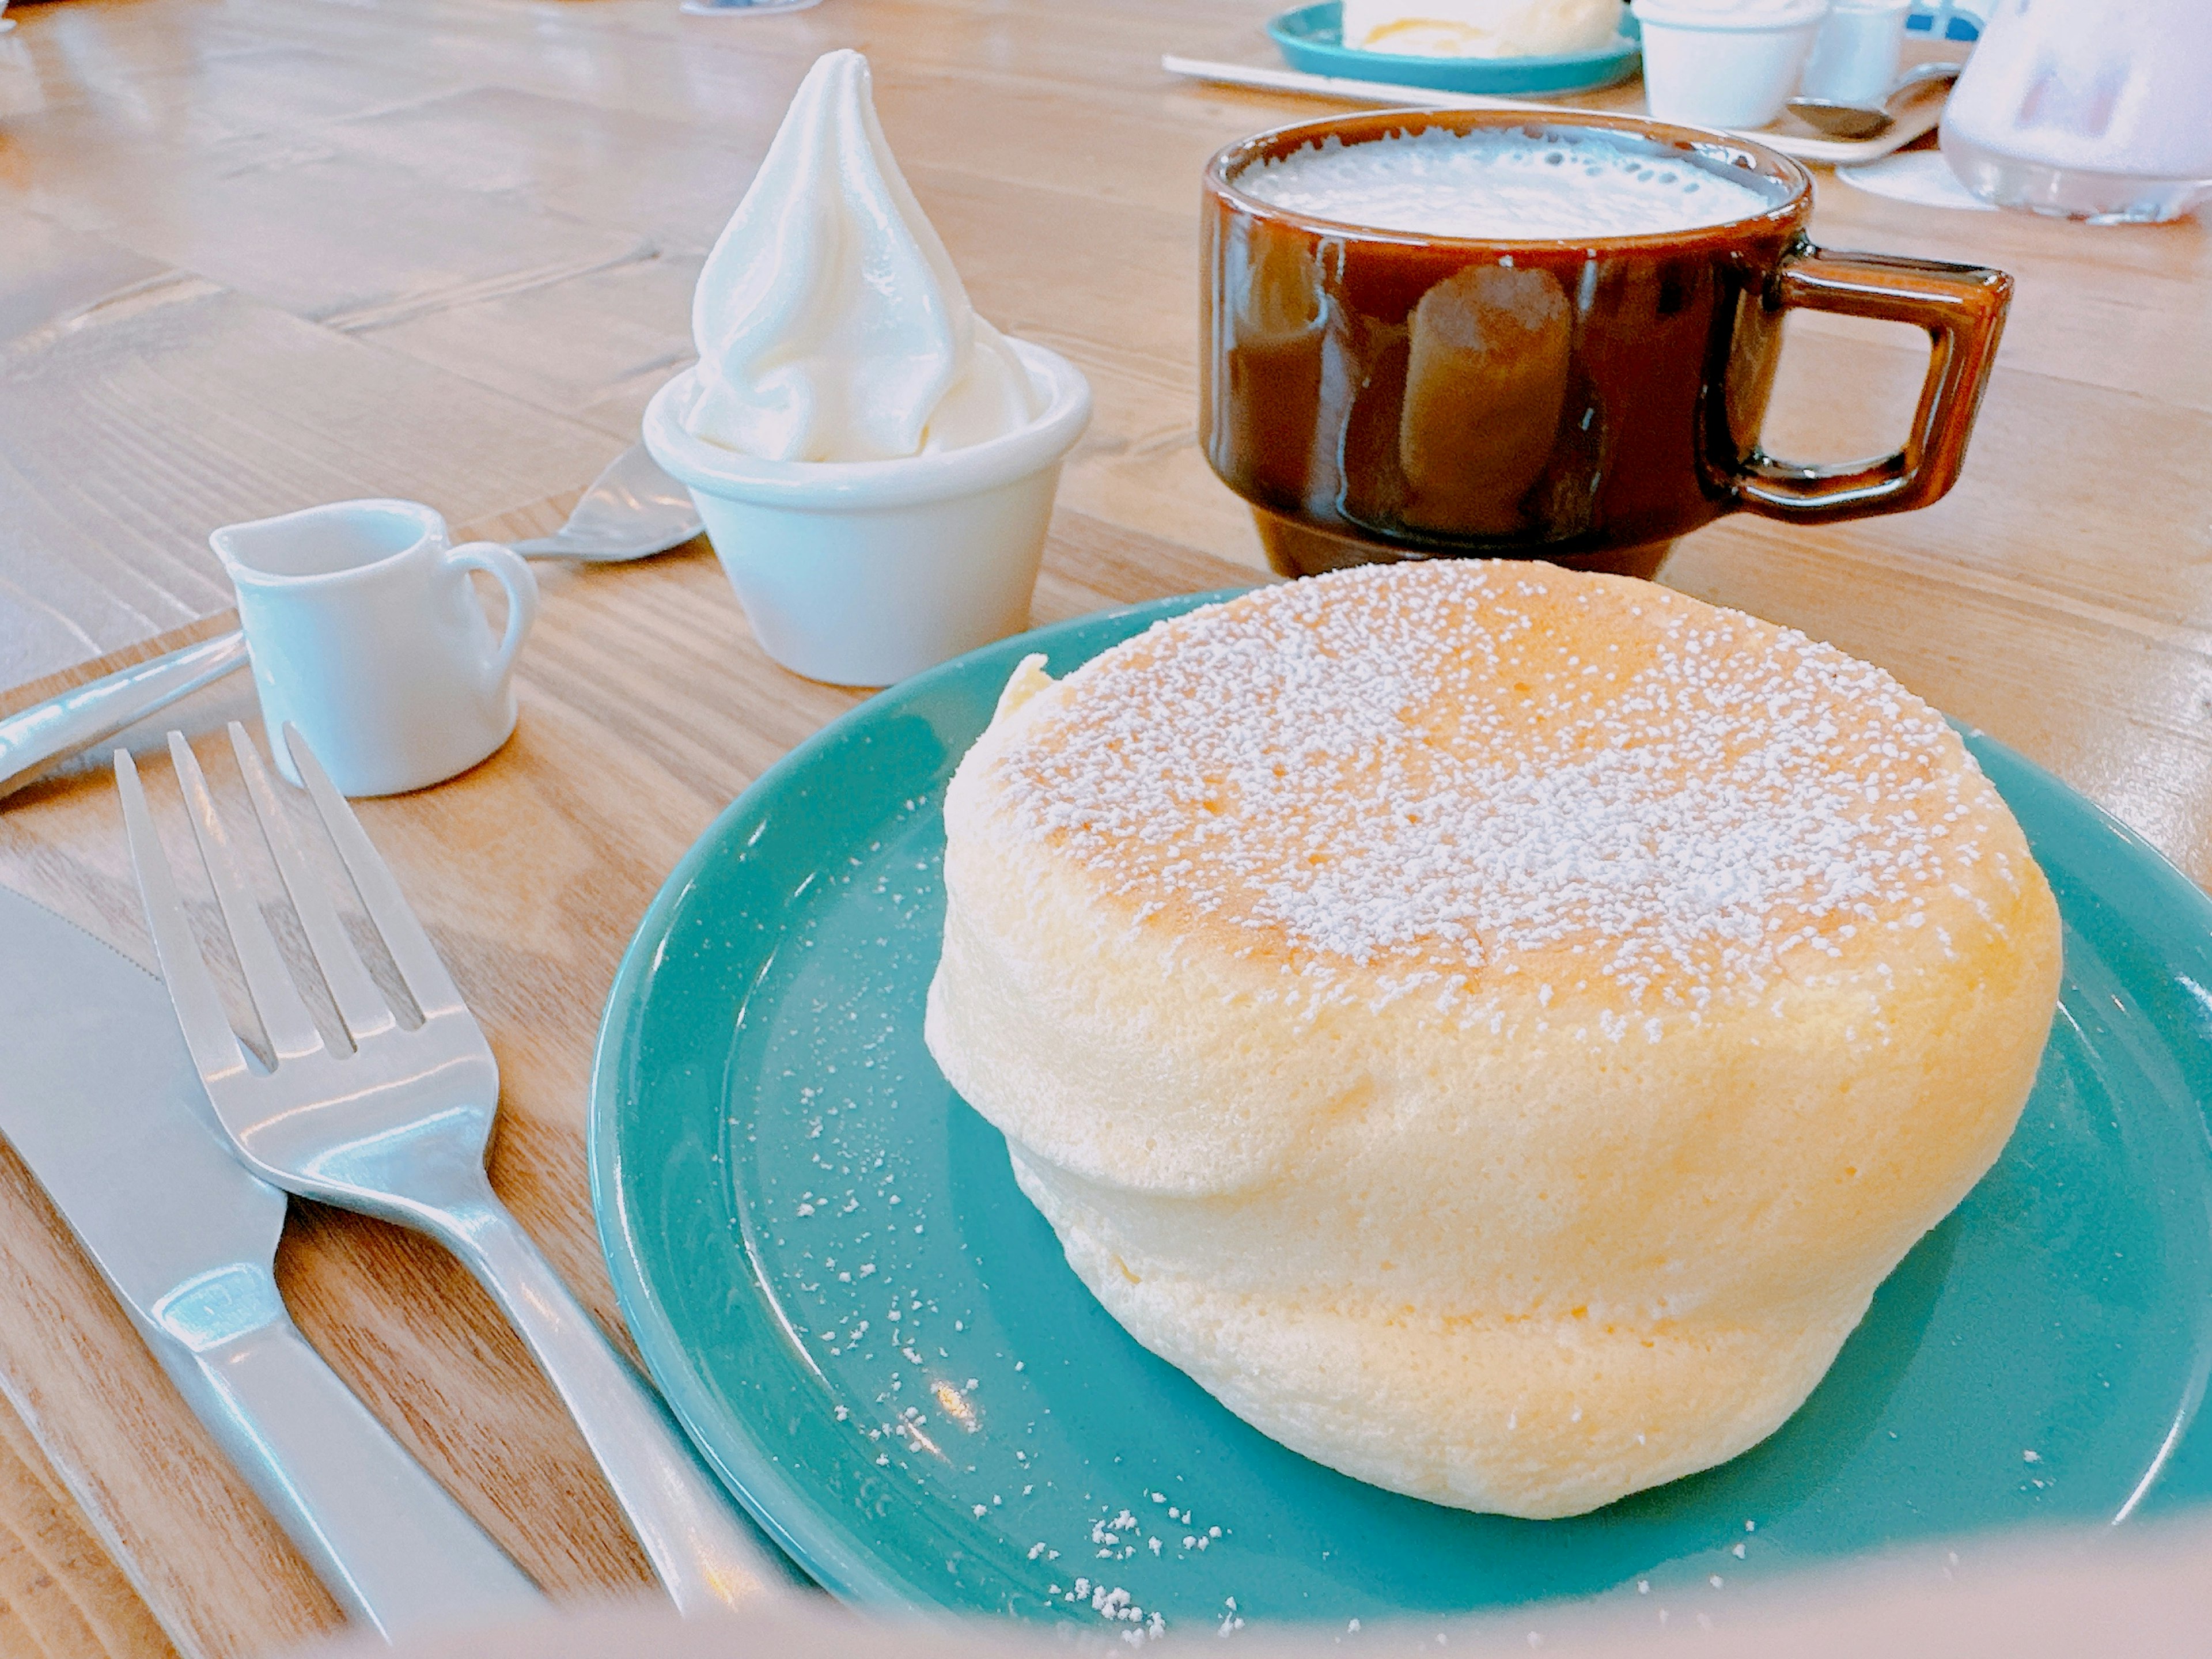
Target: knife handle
{"type": "Point", "coordinates": [48, 733]}
{"type": "Point", "coordinates": [394, 1549]}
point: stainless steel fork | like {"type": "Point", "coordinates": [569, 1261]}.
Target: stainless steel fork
{"type": "Point", "coordinates": [399, 1128]}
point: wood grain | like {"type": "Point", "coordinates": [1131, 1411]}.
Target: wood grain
{"type": "Point", "coordinates": [206, 408]}
{"type": "Point", "coordinates": [260, 254]}
{"type": "Point", "coordinates": [183, 1529]}
{"type": "Point", "coordinates": [62, 1595]}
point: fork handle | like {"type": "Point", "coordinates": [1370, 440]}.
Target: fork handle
{"type": "Point", "coordinates": [394, 1549]}
{"type": "Point", "coordinates": [706, 1556]}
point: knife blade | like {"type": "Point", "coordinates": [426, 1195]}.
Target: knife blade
{"type": "Point", "coordinates": [98, 1096]}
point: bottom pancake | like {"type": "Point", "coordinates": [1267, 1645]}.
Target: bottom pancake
{"type": "Point", "coordinates": [1527, 1417]}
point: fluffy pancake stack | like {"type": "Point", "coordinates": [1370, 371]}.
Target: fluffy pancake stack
{"type": "Point", "coordinates": [1492, 1026]}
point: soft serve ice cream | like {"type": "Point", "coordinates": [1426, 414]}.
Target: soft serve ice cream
{"type": "Point", "coordinates": [830, 323]}
{"type": "Point", "coordinates": [874, 463]}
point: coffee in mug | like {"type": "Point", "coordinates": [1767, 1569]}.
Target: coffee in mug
{"type": "Point", "coordinates": [1468, 333]}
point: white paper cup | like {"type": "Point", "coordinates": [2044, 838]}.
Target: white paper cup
{"type": "Point", "coordinates": [1855, 56]}
{"type": "Point", "coordinates": [862, 573]}
{"type": "Point", "coordinates": [1706, 66]}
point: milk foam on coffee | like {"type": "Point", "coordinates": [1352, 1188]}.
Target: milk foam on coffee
{"type": "Point", "coordinates": [830, 323]}
{"type": "Point", "coordinates": [1500, 187]}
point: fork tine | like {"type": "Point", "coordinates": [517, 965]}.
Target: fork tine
{"type": "Point", "coordinates": [412, 953]}
{"type": "Point", "coordinates": [360, 1003]}
{"type": "Point", "coordinates": [284, 1017]}
{"type": "Point", "coordinates": [215, 1046]}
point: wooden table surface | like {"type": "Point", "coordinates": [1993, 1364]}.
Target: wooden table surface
{"type": "Point", "coordinates": [256, 254]}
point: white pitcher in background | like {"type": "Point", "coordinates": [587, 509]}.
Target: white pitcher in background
{"type": "Point", "coordinates": [367, 635]}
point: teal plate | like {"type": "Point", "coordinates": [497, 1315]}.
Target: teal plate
{"type": "Point", "coordinates": [1311, 39]}
{"type": "Point", "coordinates": [874, 1339]}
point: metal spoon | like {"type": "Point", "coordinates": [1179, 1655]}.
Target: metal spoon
{"type": "Point", "coordinates": [631, 510]}
{"type": "Point", "coordinates": [1838, 120]}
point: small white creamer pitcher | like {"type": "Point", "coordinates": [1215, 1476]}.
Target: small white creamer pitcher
{"type": "Point", "coordinates": [365, 635]}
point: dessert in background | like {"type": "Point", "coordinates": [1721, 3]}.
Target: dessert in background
{"type": "Point", "coordinates": [830, 323]}
{"type": "Point", "coordinates": [1480, 28]}
{"type": "Point", "coordinates": [1492, 1026]}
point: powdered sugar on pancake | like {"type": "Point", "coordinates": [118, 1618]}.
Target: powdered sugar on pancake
{"type": "Point", "coordinates": [1458, 768]}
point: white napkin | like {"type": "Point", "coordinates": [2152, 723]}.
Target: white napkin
{"type": "Point", "coordinates": [1919, 176]}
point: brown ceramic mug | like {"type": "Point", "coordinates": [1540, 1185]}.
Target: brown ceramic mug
{"type": "Point", "coordinates": [1351, 393]}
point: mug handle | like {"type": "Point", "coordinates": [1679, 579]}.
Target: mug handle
{"type": "Point", "coordinates": [1962, 307]}
{"type": "Point", "coordinates": [506, 567]}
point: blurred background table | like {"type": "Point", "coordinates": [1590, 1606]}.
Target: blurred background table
{"type": "Point", "coordinates": [256, 254]}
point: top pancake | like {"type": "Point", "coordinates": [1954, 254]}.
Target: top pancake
{"type": "Point", "coordinates": [1448, 777]}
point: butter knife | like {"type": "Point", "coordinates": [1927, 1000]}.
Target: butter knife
{"type": "Point", "coordinates": [98, 1098]}
{"type": "Point", "coordinates": [43, 736]}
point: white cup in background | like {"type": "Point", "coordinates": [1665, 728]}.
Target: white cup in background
{"type": "Point", "coordinates": [1855, 56]}
{"type": "Point", "coordinates": [1724, 63]}
{"type": "Point", "coordinates": [862, 573]}
{"type": "Point", "coordinates": [367, 635]}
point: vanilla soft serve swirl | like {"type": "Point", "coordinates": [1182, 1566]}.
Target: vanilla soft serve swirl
{"type": "Point", "coordinates": [830, 323]}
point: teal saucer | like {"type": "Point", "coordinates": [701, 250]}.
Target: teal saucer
{"type": "Point", "coordinates": [874, 1339]}
{"type": "Point", "coordinates": [1311, 38]}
